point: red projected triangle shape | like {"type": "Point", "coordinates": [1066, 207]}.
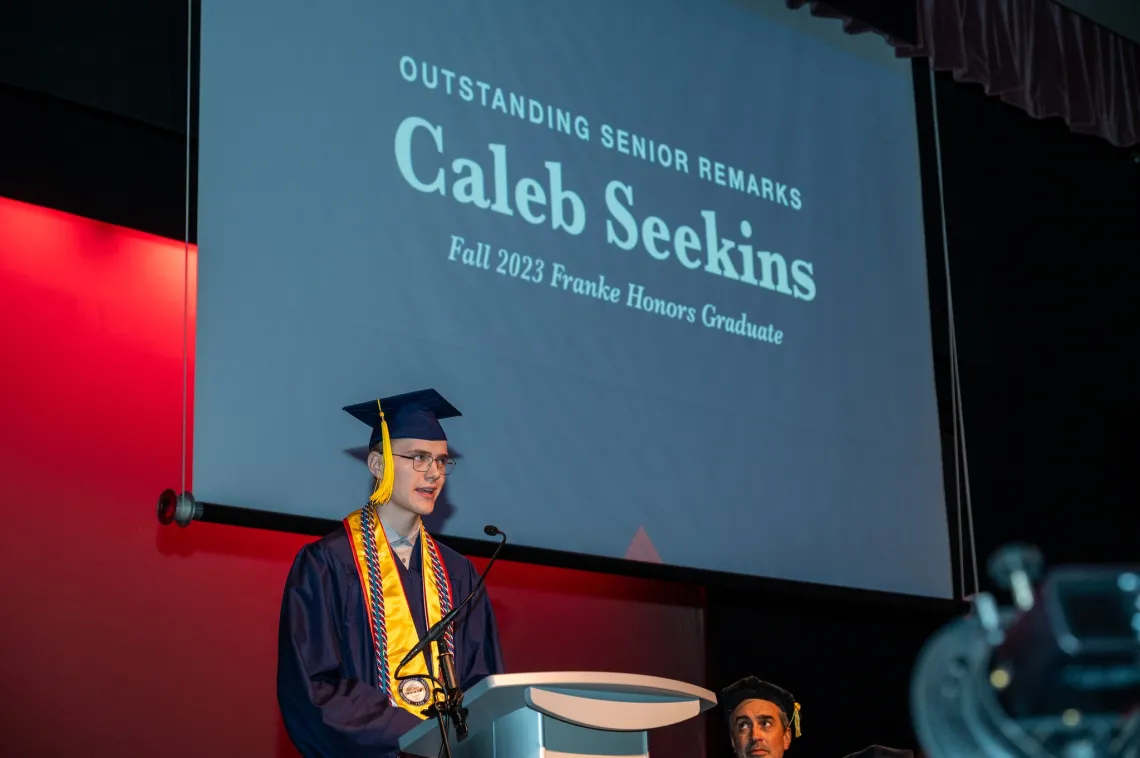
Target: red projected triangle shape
{"type": "Point", "coordinates": [641, 549]}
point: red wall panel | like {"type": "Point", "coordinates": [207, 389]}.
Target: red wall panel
{"type": "Point", "coordinates": [121, 637]}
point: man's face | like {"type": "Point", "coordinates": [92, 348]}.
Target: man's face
{"type": "Point", "coordinates": [413, 491]}
{"type": "Point", "coordinates": [756, 730]}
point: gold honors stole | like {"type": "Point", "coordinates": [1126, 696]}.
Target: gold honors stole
{"type": "Point", "coordinates": [389, 615]}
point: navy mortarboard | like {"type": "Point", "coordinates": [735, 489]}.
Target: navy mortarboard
{"type": "Point", "coordinates": [751, 688]}
{"type": "Point", "coordinates": [412, 415]}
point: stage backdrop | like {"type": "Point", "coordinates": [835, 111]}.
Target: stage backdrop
{"type": "Point", "coordinates": [666, 257]}
{"type": "Point", "coordinates": [121, 637]}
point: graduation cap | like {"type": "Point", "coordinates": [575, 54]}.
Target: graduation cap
{"type": "Point", "coordinates": [412, 415]}
{"type": "Point", "coordinates": [751, 688]}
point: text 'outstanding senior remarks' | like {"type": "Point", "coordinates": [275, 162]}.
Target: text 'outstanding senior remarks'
{"type": "Point", "coordinates": [470, 185]}
{"type": "Point", "coordinates": [476, 91]}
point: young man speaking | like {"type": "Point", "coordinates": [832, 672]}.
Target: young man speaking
{"type": "Point", "coordinates": [358, 600]}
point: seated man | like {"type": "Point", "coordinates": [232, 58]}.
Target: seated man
{"type": "Point", "coordinates": [358, 600]}
{"type": "Point", "coordinates": [761, 717]}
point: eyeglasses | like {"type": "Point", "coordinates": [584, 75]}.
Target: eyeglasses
{"type": "Point", "coordinates": [423, 461]}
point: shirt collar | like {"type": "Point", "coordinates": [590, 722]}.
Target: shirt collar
{"type": "Point", "coordinates": [396, 540]}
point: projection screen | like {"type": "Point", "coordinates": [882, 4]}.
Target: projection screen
{"type": "Point", "coordinates": [667, 258]}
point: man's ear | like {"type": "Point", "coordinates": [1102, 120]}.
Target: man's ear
{"type": "Point", "coordinates": [376, 464]}
{"type": "Point", "coordinates": [787, 736]}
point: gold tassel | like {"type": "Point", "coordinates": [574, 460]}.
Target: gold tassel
{"type": "Point", "coordinates": [383, 491]}
{"type": "Point", "coordinates": [796, 718]}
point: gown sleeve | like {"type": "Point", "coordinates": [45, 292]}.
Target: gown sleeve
{"type": "Point", "coordinates": [478, 637]}
{"type": "Point", "coordinates": [325, 712]}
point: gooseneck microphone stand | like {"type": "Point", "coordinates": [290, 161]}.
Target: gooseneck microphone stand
{"type": "Point", "coordinates": [447, 702]}
{"type": "Point", "coordinates": [453, 696]}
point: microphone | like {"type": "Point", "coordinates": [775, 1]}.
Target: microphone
{"type": "Point", "coordinates": [437, 629]}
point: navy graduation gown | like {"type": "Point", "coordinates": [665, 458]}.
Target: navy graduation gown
{"type": "Point", "coordinates": [327, 686]}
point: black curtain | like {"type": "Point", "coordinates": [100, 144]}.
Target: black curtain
{"type": "Point", "coordinates": [1034, 54]}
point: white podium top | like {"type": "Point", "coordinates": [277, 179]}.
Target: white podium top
{"type": "Point", "coordinates": [592, 699]}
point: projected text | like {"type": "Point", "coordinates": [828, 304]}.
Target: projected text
{"type": "Point", "coordinates": [531, 269]}
{"type": "Point", "coordinates": [551, 203]}
{"type": "Point", "coordinates": [434, 77]}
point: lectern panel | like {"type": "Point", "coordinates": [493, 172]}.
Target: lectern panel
{"type": "Point", "coordinates": [563, 740]}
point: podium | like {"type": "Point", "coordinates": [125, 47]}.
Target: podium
{"type": "Point", "coordinates": [576, 714]}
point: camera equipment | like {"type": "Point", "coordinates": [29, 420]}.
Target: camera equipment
{"type": "Point", "coordinates": [1055, 676]}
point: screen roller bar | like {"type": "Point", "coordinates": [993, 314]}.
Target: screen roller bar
{"type": "Point", "coordinates": [184, 509]}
